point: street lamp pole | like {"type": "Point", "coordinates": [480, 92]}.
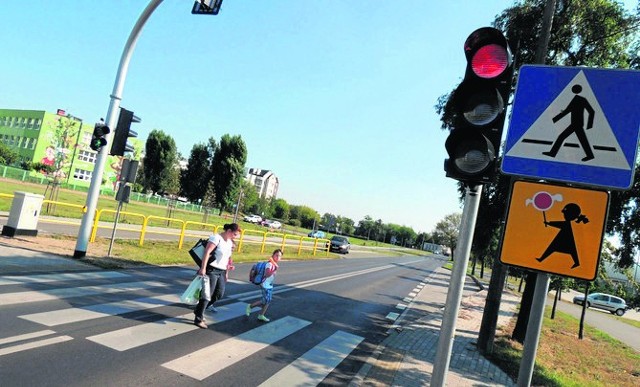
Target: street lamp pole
{"type": "Point", "coordinates": [235, 215]}
{"type": "Point", "coordinates": [112, 116]}
{"type": "Point", "coordinates": [75, 148]}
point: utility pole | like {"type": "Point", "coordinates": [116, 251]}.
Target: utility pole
{"type": "Point", "coordinates": [112, 113]}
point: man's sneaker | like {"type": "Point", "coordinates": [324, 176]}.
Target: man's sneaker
{"type": "Point", "coordinates": [248, 311]}
{"type": "Point", "coordinates": [212, 308]}
{"type": "Point", "coordinates": [262, 317]}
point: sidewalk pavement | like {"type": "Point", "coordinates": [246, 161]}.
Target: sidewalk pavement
{"type": "Point", "coordinates": [20, 261]}
{"type": "Point", "coordinates": [405, 358]}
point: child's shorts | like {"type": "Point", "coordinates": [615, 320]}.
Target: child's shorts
{"type": "Point", "coordinates": [267, 295]}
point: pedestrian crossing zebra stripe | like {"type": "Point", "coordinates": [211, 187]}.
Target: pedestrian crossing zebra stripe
{"type": "Point", "coordinates": [34, 344]}
{"type": "Point", "coordinates": [26, 336]}
{"type": "Point", "coordinates": [89, 312]}
{"type": "Point", "coordinates": [312, 367]}
{"type": "Point", "coordinates": [209, 360]}
{"type": "Point", "coordinates": [59, 293]}
{"type": "Point", "coordinates": [136, 336]}
{"type": "Point", "coordinates": [43, 278]}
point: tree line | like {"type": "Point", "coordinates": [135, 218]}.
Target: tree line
{"type": "Point", "coordinates": [215, 178]}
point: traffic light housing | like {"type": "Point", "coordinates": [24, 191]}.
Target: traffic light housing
{"type": "Point", "coordinates": [206, 7]}
{"type": "Point", "coordinates": [123, 132]}
{"type": "Point", "coordinates": [479, 108]}
{"type": "Point", "coordinates": [98, 139]}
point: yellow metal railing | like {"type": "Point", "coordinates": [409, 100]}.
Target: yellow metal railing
{"type": "Point", "coordinates": [284, 241]}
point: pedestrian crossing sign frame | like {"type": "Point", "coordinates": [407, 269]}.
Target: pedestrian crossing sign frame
{"type": "Point", "coordinates": [575, 125]}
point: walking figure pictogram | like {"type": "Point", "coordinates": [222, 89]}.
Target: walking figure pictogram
{"type": "Point", "coordinates": [576, 107]}
{"type": "Point", "coordinates": [564, 242]}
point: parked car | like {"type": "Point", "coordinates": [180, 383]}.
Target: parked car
{"type": "Point", "coordinates": [253, 219]}
{"type": "Point", "coordinates": [317, 234]}
{"type": "Point", "coordinates": [272, 224]}
{"type": "Point", "coordinates": [613, 304]}
{"type": "Point", "coordinates": [339, 244]}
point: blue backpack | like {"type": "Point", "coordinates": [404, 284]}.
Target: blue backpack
{"type": "Point", "coordinates": [258, 272]}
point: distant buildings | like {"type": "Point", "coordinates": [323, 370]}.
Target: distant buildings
{"type": "Point", "coordinates": [57, 140]}
{"type": "Point", "coordinates": [265, 181]}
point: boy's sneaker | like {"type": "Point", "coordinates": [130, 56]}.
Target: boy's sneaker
{"type": "Point", "coordinates": [212, 308]}
{"type": "Point", "coordinates": [248, 311]}
{"type": "Point", "coordinates": [200, 324]}
{"type": "Point", "coordinates": [262, 317]}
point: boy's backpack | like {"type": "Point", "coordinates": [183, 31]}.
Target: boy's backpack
{"type": "Point", "coordinates": [258, 273]}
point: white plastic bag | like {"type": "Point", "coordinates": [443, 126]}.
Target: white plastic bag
{"type": "Point", "coordinates": [205, 294]}
{"type": "Point", "coordinates": [192, 294]}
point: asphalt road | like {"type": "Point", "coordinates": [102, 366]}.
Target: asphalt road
{"type": "Point", "coordinates": [126, 328]}
{"type": "Point", "coordinates": [603, 321]}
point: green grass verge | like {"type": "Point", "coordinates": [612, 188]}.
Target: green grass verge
{"type": "Point", "coordinates": [564, 360]}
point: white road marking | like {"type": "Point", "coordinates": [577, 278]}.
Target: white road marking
{"type": "Point", "coordinates": [392, 316]}
{"type": "Point", "coordinates": [209, 360]}
{"type": "Point", "coordinates": [132, 337]}
{"type": "Point", "coordinates": [89, 312]}
{"type": "Point", "coordinates": [312, 367]}
{"type": "Point", "coordinates": [34, 344]}
{"type": "Point", "coordinates": [26, 336]}
{"type": "Point", "coordinates": [55, 294]}
{"type": "Point", "coordinates": [41, 278]}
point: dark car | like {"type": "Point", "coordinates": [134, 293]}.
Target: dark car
{"type": "Point", "coordinates": [339, 244]}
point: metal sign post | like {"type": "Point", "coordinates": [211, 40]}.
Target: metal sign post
{"type": "Point", "coordinates": [454, 294]}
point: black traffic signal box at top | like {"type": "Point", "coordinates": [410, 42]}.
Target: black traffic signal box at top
{"type": "Point", "coordinates": [123, 132]}
{"type": "Point", "coordinates": [479, 104]}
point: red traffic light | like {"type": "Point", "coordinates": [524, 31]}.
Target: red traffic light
{"type": "Point", "coordinates": [479, 108]}
{"type": "Point", "coordinates": [487, 52]}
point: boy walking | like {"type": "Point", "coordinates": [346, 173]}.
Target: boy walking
{"type": "Point", "coordinates": [267, 287]}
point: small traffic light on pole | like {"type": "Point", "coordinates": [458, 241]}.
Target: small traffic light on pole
{"type": "Point", "coordinates": [206, 7]}
{"type": "Point", "coordinates": [98, 139]}
{"type": "Point", "coordinates": [479, 104]}
{"type": "Point", "coordinates": [123, 132]}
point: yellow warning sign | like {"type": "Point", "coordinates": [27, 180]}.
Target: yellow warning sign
{"type": "Point", "coordinates": [555, 229]}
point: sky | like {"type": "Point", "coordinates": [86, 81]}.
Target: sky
{"type": "Point", "coordinates": [335, 97]}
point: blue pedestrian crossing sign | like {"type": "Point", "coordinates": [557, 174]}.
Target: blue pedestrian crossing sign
{"type": "Point", "coordinates": [576, 125]}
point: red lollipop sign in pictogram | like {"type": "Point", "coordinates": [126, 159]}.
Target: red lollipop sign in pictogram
{"type": "Point", "coordinates": [543, 201]}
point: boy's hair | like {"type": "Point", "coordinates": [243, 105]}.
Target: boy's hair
{"type": "Point", "coordinates": [276, 251]}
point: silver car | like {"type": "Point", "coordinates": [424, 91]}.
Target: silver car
{"type": "Point", "coordinates": [613, 304]}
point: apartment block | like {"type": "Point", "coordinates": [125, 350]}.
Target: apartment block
{"type": "Point", "coordinates": [265, 181]}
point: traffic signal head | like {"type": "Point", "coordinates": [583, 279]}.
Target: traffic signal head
{"type": "Point", "coordinates": [98, 139]}
{"type": "Point", "coordinates": [123, 132]}
{"type": "Point", "coordinates": [479, 105]}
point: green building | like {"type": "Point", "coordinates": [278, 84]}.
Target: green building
{"type": "Point", "coordinates": [60, 141]}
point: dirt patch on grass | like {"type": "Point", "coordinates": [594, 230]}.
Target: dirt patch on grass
{"type": "Point", "coordinates": [65, 246]}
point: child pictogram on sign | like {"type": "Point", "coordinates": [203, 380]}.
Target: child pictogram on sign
{"type": "Point", "coordinates": [564, 242]}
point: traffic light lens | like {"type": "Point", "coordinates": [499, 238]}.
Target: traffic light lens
{"type": "Point", "coordinates": [483, 107]}
{"type": "Point", "coordinates": [490, 61]}
{"type": "Point", "coordinates": [473, 157]}
{"type": "Point", "coordinates": [473, 161]}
